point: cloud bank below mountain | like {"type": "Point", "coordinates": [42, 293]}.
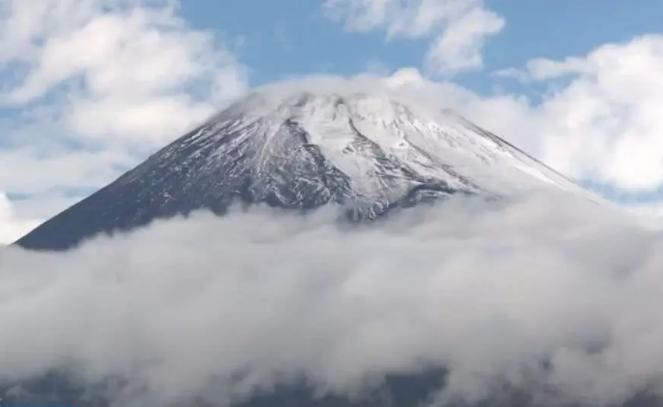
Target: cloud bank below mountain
{"type": "Point", "coordinates": [489, 290]}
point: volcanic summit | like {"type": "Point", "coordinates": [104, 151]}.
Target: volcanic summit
{"type": "Point", "coordinates": [365, 152]}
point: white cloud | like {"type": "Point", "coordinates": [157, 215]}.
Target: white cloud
{"type": "Point", "coordinates": [137, 59]}
{"type": "Point", "coordinates": [540, 69]}
{"type": "Point", "coordinates": [458, 28]}
{"type": "Point", "coordinates": [285, 297]}
{"type": "Point", "coordinates": [98, 84]}
{"type": "Point", "coordinates": [460, 47]}
{"type": "Point", "coordinates": [11, 226]}
{"type": "Point", "coordinates": [604, 122]}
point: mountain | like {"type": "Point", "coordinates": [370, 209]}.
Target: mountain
{"type": "Point", "coordinates": [366, 152]}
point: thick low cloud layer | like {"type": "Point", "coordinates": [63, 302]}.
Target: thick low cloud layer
{"type": "Point", "coordinates": [489, 290]}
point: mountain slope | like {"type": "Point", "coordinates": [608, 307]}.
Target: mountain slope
{"type": "Point", "coordinates": [365, 152]}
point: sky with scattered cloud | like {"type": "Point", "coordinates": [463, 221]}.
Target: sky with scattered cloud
{"type": "Point", "coordinates": [88, 88]}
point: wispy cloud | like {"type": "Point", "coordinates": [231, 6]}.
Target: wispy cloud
{"type": "Point", "coordinates": [458, 28]}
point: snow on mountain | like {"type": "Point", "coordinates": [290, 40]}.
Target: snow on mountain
{"type": "Point", "coordinates": [355, 131]}
{"type": "Point", "coordinates": [366, 151]}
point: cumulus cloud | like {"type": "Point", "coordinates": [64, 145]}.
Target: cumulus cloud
{"type": "Point", "coordinates": [11, 226]}
{"type": "Point", "coordinates": [602, 122]}
{"type": "Point", "coordinates": [129, 63]}
{"type": "Point", "coordinates": [94, 85]}
{"type": "Point", "coordinates": [458, 28]}
{"type": "Point", "coordinates": [560, 296]}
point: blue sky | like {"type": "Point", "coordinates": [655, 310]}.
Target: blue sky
{"type": "Point", "coordinates": [293, 37]}
{"type": "Point", "coordinates": [88, 88]}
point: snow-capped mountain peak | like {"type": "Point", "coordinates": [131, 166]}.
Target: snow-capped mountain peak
{"type": "Point", "coordinates": [355, 132]}
{"type": "Point", "coordinates": [366, 151]}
